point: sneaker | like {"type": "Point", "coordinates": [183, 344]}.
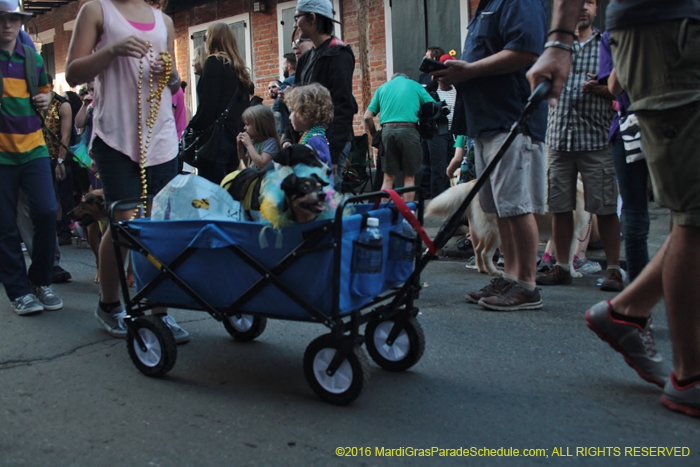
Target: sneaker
{"type": "Point", "coordinates": [685, 400]}
{"type": "Point", "coordinates": [547, 262]}
{"type": "Point", "coordinates": [112, 322]}
{"type": "Point", "coordinates": [465, 245]}
{"type": "Point", "coordinates": [555, 276]}
{"type": "Point", "coordinates": [181, 336]}
{"type": "Point", "coordinates": [492, 288]}
{"type": "Point", "coordinates": [584, 266]}
{"type": "Point", "coordinates": [513, 298]}
{"type": "Point", "coordinates": [471, 263]}
{"type": "Point", "coordinates": [48, 298]}
{"type": "Point", "coordinates": [59, 275]}
{"type": "Point", "coordinates": [635, 344]}
{"type": "Point", "coordinates": [612, 281]}
{"type": "Point", "coordinates": [27, 305]}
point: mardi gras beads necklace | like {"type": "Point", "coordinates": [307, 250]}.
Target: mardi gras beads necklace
{"type": "Point", "coordinates": [308, 134]}
{"type": "Point", "coordinates": [155, 91]}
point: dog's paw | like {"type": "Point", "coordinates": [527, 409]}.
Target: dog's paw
{"type": "Point", "coordinates": [97, 279]}
{"type": "Point", "coordinates": [576, 274]}
{"type": "Point", "coordinates": [497, 272]}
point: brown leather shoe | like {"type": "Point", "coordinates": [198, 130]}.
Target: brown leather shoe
{"type": "Point", "coordinates": [555, 276]}
{"type": "Point", "coordinates": [492, 288]}
{"type": "Point", "coordinates": [513, 298]}
{"type": "Point", "coordinates": [612, 281]}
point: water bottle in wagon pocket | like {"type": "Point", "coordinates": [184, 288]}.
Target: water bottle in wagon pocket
{"type": "Point", "coordinates": [368, 250]}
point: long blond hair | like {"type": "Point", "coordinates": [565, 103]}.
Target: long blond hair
{"type": "Point", "coordinates": [221, 43]}
{"type": "Point", "coordinates": [263, 121]}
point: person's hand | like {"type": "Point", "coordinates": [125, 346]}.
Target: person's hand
{"type": "Point", "coordinates": [286, 144]}
{"type": "Point", "coordinates": [159, 68]}
{"type": "Point", "coordinates": [244, 138]}
{"type": "Point", "coordinates": [131, 46]}
{"type": "Point", "coordinates": [553, 64]}
{"type": "Point", "coordinates": [60, 172]}
{"type": "Point", "coordinates": [42, 101]}
{"type": "Point", "coordinates": [457, 71]}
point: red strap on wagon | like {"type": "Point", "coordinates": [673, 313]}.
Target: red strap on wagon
{"type": "Point", "coordinates": [408, 215]}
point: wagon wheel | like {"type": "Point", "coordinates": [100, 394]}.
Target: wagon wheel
{"type": "Point", "coordinates": [406, 349]}
{"type": "Point", "coordinates": [160, 352]}
{"type": "Point", "coordinates": [244, 327]}
{"type": "Point", "coordinates": [348, 381]}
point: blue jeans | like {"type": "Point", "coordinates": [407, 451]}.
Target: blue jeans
{"type": "Point", "coordinates": [632, 179]}
{"type": "Point", "coordinates": [35, 179]}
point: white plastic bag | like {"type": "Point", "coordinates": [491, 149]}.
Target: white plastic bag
{"type": "Point", "coordinates": [189, 197]}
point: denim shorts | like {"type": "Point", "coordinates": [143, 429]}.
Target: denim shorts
{"type": "Point", "coordinates": [121, 177]}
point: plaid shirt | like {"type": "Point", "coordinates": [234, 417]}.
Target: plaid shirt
{"type": "Point", "coordinates": [580, 122]}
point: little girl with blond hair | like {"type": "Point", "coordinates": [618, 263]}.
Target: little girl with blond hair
{"type": "Point", "coordinates": [311, 113]}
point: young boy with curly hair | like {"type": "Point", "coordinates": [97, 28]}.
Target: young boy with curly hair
{"type": "Point", "coordinates": [311, 113]}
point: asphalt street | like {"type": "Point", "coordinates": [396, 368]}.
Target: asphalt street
{"type": "Point", "coordinates": [540, 380]}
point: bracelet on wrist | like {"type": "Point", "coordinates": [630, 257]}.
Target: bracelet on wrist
{"type": "Point", "coordinates": [177, 80]}
{"type": "Point", "coordinates": [559, 45]}
{"type": "Point", "coordinates": [562, 31]}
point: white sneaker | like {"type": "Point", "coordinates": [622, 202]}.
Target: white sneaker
{"type": "Point", "coordinates": [181, 336]}
{"type": "Point", "coordinates": [48, 298]}
{"type": "Point", "coordinates": [27, 305]}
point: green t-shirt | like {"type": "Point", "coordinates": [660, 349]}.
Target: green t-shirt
{"type": "Point", "coordinates": [399, 100]}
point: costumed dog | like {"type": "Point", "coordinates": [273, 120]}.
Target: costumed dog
{"type": "Point", "coordinates": [483, 227]}
{"type": "Point", "coordinates": [294, 188]}
{"type": "Point", "coordinates": [91, 213]}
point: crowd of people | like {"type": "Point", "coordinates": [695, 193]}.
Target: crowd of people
{"type": "Point", "coordinates": [603, 85]}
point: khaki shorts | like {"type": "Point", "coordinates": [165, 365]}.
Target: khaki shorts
{"type": "Point", "coordinates": [517, 186]}
{"type": "Point", "coordinates": [598, 175]}
{"type": "Point", "coordinates": [659, 66]}
{"type": "Point", "coordinates": [402, 151]}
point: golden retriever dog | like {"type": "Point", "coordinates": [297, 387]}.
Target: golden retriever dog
{"type": "Point", "coordinates": [483, 227]}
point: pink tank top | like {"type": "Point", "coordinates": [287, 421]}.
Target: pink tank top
{"type": "Point", "coordinates": [116, 90]}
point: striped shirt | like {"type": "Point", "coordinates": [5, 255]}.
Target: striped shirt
{"type": "Point", "coordinates": [21, 138]}
{"type": "Point", "coordinates": [580, 122]}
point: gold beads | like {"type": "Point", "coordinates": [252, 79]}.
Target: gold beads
{"type": "Point", "coordinates": [154, 97]}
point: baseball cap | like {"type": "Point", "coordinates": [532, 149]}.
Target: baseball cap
{"type": "Point", "coordinates": [320, 7]}
{"type": "Point", "coordinates": [11, 7]}
{"type": "Point", "coordinates": [446, 57]}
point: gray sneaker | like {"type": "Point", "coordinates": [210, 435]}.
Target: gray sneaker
{"type": "Point", "coordinates": [471, 264]}
{"type": "Point", "coordinates": [27, 305]}
{"type": "Point", "coordinates": [685, 400]}
{"type": "Point", "coordinates": [181, 336]}
{"type": "Point", "coordinates": [635, 344]}
{"type": "Point", "coordinates": [47, 297]}
{"type": "Point", "coordinates": [112, 322]}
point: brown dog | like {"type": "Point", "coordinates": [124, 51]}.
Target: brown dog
{"type": "Point", "coordinates": [92, 215]}
{"type": "Point", "coordinates": [483, 227]}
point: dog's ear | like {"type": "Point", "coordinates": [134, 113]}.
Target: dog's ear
{"type": "Point", "coordinates": [289, 184]}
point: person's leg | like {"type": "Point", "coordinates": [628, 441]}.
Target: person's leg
{"type": "Point", "coordinates": [437, 148]}
{"type": "Point", "coordinates": [409, 180]}
{"type": "Point", "coordinates": [609, 228]}
{"type": "Point", "coordinates": [525, 244]}
{"type": "Point", "coordinates": [563, 229]}
{"type": "Point", "coordinates": [24, 222]}
{"type": "Point", "coordinates": [632, 180]}
{"type": "Point", "coordinates": [13, 270]}
{"type": "Point", "coordinates": [38, 188]}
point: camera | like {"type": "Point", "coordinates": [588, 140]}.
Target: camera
{"type": "Point", "coordinates": [432, 116]}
